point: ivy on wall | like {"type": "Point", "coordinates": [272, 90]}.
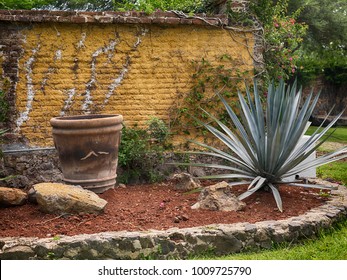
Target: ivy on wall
{"type": "Point", "coordinates": [209, 80]}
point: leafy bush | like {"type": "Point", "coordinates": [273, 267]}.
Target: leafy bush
{"type": "Point", "coordinates": [330, 64]}
{"type": "Point", "coordinates": [158, 130]}
{"type": "Point", "coordinates": [149, 6]}
{"type": "Point", "coordinates": [22, 4]}
{"type": "Point", "coordinates": [263, 147]}
{"type": "Point", "coordinates": [141, 152]}
{"type": "Point", "coordinates": [283, 36]}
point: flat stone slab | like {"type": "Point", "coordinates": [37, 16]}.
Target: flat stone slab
{"type": "Point", "coordinates": [66, 199]}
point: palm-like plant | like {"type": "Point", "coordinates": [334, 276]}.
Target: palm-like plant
{"type": "Point", "coordinates": [264, 146]}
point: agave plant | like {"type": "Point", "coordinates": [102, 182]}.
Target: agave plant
{"type": "Point", "coordinates": [264, 147]}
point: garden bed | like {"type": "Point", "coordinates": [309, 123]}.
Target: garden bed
{"type": "Point", "coordinates": [155, 206]}
{"type": "Point", "coordinates": [137, 225]}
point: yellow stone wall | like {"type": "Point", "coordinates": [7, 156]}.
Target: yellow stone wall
{"type": "Point", "coordinates": [134, 70]}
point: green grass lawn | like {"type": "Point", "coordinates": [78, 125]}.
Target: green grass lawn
{"type": "Point", "coordinates": [340, 134]}
{"type": "Point", "coordinates": [336, 171]}
{"type": "Point", "coordinates": [330, 245]}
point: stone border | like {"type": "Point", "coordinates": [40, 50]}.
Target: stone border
{"type": "Point", "coordinates": [131, 17]}
{"type": "Point", "coordinates": [180, 243]}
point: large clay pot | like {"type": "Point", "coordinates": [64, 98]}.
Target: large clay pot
{"type": "Point", "coordinates": [87, 146]}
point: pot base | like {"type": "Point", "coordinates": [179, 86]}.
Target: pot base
{"type": "Point", "coordinates": [97, 186]}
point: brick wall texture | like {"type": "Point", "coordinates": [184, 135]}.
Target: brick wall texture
{"type": "Point", "coordinates": [68, 63]}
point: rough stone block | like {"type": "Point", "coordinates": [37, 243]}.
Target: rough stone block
{"type": "Point", "coordinates": [12, 197]}
{"type": "Point", "coordinates": [59, 198]}
{"type": "Point", "coordinates": [219, 197]}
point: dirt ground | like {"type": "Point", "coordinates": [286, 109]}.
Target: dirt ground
{"type": "Point", "coordinates": [153, 206]}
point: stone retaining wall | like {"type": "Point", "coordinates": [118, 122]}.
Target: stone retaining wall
{"type": "Point", "coordinates": [30, 167]}
{"type": "Point", "coordinates": [332, 97]}
{"type": "Point", "coordinates": [180, 243]}
{"type": "Point", "coordinates": [33, 166]}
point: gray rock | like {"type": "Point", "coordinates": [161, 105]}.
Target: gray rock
{"type": "Point", "coordinates": [12, 196]}
{"type": "Point", "coordinates": [20, 252]}
{"type": "Point", "coordinates": [218, 197]}
{"type": "Point", "coordinates": [185, 181]}
{"type": "Point", "coordinates": [32, 196]}
{"type": "Point", "coordinates": [197, 171]}
{"type": "Point", "coordinates": [66, 199]}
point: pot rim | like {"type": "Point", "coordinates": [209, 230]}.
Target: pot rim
{"type": "Point", "coordinates": [86, 117]}
{"type": "Point", "coordinates": [90, 120]}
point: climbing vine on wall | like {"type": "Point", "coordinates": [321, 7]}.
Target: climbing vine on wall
{"type": "Point", "coordinates": [209, 79]}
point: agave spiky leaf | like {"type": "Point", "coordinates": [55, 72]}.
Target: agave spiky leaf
{"type": "Point", "coordinates": [263, 146]}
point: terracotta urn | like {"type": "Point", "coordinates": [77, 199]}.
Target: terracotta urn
{"type": "Point", "coordinates": [87, 146]}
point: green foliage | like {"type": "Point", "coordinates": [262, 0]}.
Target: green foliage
{"type": "Point", "coordinates": [149, 6]}
{"type": "Point", "coordinates": [335, 171]}
{"type": "Point", "coordinates": [327, 23]}
{"type": "Point", "coordinates": [324, 46]}
{"type": "Point", "coordinates": [158, 130]}
{"type": "Point", "coordinates": [4, 107]}
{"type": "Point", "coordinates": [84, 5]}
{"type": "Point", "coordinates": [263, 146]}
{"type": "Point", "coordinates": [141, 151]}
{"type": "Point", "coordinates": [222, 77]}
{"type": "Point", "coordinates": [283, 36]}
{"type": "Point", "coordinates": [339, 133]}
{"type": "Point", "coordinates": [22, 4]}
{"type": "Point", "coordinates": [58, 5]}
{"type": "Point", "coordinates": [330, 64]}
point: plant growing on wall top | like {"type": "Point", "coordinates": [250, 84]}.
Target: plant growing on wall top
{"type": "Point", "coordinates": [149, 6]}
{"type": "Point", "coordinates": [263, 147]}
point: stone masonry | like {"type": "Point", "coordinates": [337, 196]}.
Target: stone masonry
{"type": "Point", "coordinates": [58, 63]}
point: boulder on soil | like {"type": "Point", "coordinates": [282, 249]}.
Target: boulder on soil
{"type": "Point", "coordinates": [185, 181]}
{"type": "Point", "coordinates": [219, 197]}
{"type": "Point", "coordinates": [12, 197]}
{"type": "Point", "coordinates": [66, 199]}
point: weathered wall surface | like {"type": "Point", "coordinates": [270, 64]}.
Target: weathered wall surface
{"type": "Point", "coordinates": [68, 63]}
{"type": "Point", "coordinates": [332, 97]}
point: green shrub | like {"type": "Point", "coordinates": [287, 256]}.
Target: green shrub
{"type": "Point", "coordinates": [158, 130]}
{"type": "Point", "coordinates": [141, 152]}
{"type": "Point", "coordinates": [330, 65]}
